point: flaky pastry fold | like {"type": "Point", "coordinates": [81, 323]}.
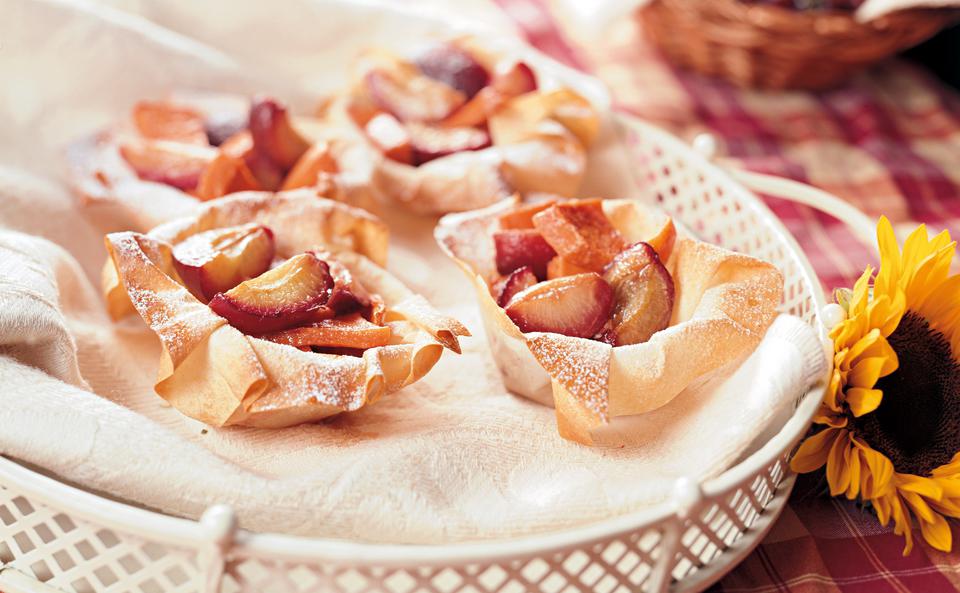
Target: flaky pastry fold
{"type": "Point", "coordinates": [724, 303]}
{"type": "Point", "coordinates": [539, 145]}
{"type": "Point", "coordinates": [214, 373]}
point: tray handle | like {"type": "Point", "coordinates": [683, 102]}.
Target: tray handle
{"type": "Point", "coordinates": [794, 191]}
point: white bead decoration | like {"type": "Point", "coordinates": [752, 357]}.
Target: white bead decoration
{"type": "Point", "coordinates": [832, 315]}
{"type": "Point", "coordinates": [707, 145]}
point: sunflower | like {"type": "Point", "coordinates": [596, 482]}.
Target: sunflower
{"type": "Point", "coordinates": [889, 421]}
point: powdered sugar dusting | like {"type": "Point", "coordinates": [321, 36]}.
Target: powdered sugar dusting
{"type": "Point", "coordinates": [179, 320]}
{"type": "Point", "coordinates": [581, 366]}
{"type": "Point", "coordinates": [309, 378]}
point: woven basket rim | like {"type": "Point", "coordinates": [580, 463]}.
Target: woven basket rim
{"type": "Point", "coordinates": [839, 24]}
{"type": "Point", "coordinates": [776, 47]}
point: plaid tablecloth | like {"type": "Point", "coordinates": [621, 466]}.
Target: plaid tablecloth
{"type": "Point", "coordinates": [889, 143]}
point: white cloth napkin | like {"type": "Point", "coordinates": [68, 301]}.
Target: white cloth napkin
{"type": "Point", "coordinates": [452, 458]}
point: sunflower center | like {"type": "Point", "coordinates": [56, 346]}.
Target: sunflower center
{"type": "Point", "coordinates": [917, 425]}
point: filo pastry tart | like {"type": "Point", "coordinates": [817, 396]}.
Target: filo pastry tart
{"type": "Point", "coordinates": [457, 127]}
{"type": "Point", "coordinates": [274, 310]}
{"type": "Point", "coordinates": [601, 309]}
{"type": "Point", "coordinates": [169, 155]}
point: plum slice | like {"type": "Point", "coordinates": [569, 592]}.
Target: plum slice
{"type": "Point", "coordinates": [517, 80]}
{"type": "Point", "coordinates": [576, 306]}
{"type": "Point", "coordinates": [172, 163]}
{"type": "Point", "coordinates": [217, 260]}
{"type": "Point", "coordinates": [390, 137]}
{"type": "Point", "coordinates": [518, 281]}
{"type": "Point", "coordinates": [161, 120]}
{"type": "Point", "coordinates": [224, 175]}
{"type": "Point", "coordinates": [580, 232]}
{"type": "Point", "coordinates": [477, 110]}
{"type": "Point", "coordinates": [292, 294]}
{"type": "Point", "coordinates": [273, 134]}
{"type": "Point", "coordinates": [412, 97]}
{"type": "Point", "coordinates": [221, 126]}
{"type": "Point", "coordinates": [316, 160]}
{"type": "Point", "coordinates": [643, 294]}
{"type": "Point", "coordinates": [455, 67]}
{"type": "Point", "coordinates": [267, 173]}
{"type": "Point", "coordinates": [432, 142]}
{"type": "Point", "coordinates": [352, 331]}
{"type": "Point", "coordinates": [518, 248]}
{"type": "Point", "coordinates": [348, 294]}
{"type": "Point", "coordinates": [362, 109]}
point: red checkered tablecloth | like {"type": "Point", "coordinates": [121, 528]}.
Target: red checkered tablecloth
{"type": "Point", "coordinates": [887, 142]}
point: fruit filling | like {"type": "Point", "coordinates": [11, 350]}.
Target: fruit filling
{"type": "Point", "coordinates": [216, 261]}
{"type": "Point", "coordinates": [211, 154]}
{"type": "Point", "coordinates": [310, 301]}
{"type": "Point", "coordinates": [438, 104]}
{"type": "Point", "coordinates": [566, 269]}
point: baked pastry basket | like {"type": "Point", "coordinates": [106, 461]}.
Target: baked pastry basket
{"type": "Point", "coordinates": [57, 538]}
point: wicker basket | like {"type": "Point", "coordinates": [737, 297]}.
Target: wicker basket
{"type": "Point", "coordinates": [766, 46]}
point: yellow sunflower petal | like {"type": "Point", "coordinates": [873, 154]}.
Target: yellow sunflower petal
{"type": "Point", "coordinates": [937, 533]}
{"type": "Point", "coordinates": [891, 361]}
{"type": "Point", "coordinates": [813, 452]}
{"type": "Point", "coordinates": [908, 483]}
{"type": "Point", "coordinates": [878, 469]}
{"type": "Point", "coordinates": [918, 505]}
{"type": "Point", "coordinates": [838, 470]}
{"type": "Point", "coordinates": [950, 469]}
{"type": "Point", "coordinates": [863, 401]}
{"type": "Point", "coordinates": [866, 372]}
{"type": "Point", "coordinates": [950, 488]}
{"type": "Point", "coordinates": [833, 394]}
{"type": "Point", "coordinates": [881, 349]}
{"type": "Point", "coordinates": [882, 506]}
{"type": "Point", "coordinates": [948, 507]}
{"type": "Point", "coordinates": [943, 246]}
{"type": "Point", "coordinates": [925, 260]}
{"type": "Point", "coordinates": [889, 258]}
{"type": "Point", "coordinates": [942, 307]}
{"type": "Point", "coordinates": [901, 523]}
{"type": "Point", "coordinates": [862, 347]}
{"type": "Point", "coordinates": [827, 418]}
{"type": "Point", "coordinates": [887, 312]}
{"type": "Point", "coordinates": [929, 274]}
{"type": "Point", "coordinates": [915, 249]}
{"type": "Point", "coordinates": [941, 240]}
{"type": "Point", "coordinates": [861, 293]}
{"type": "Point", "coordinates": [853, 463]}
{"type": "Point", "coordinates": [950, 325]}
{"type": "Point", "coordinates": [848, 332]}
{"type": "Point", "coordinates": [871, 345]}
{"type": "Point", "coordinates": [948, 479]}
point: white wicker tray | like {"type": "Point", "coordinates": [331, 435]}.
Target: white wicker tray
{"type": "Point", "coordinates": [54, 537]}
